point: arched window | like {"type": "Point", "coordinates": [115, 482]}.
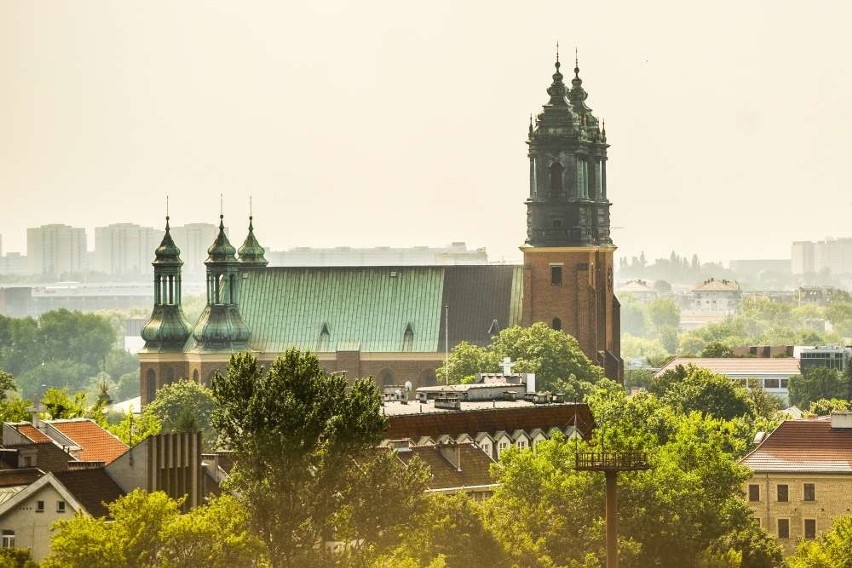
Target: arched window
{"type": "Point", "coordinates": [232, 289]}
{"type": "Point", "coordinates": [557, 324]}
{"type": "Point", "coordinates": [195, 375]}
{"type": "Point", "coordinates": [386, 377]}
{"type": "Point", "coordinates": [408, 338]}
{"type": "Point", "coordinates": [556, 177]}
{"type": "Point", "coordinates": [324, 339]}
{"type": "Point", "coordinates": [151, 384]}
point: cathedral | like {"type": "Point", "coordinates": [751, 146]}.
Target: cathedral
{"type": "Point", "coordinates": [395, 323]}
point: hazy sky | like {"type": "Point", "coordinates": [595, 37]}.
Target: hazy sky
{"type": "Point", "coordinates": [403, 123]}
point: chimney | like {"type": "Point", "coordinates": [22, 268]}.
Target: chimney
{"type": "Point", "coordinates": [841, 419]}
{"type": "Point", "coordinates": [530, 382]}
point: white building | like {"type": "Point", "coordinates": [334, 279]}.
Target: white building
{"type": "Point", "coordinates": [124, 249]}
{"type": "Point", "coordinates": [56, 250]}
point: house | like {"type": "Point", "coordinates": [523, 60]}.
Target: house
{"type": "Point", "coordinates": [28, 510]}
{"type": "Point", "coordinates": [801, 478]}
{"type": "Point", "coordinates": [454, 467]}
{"type": "Point", "coordinates": [81, 438]}
{"type": "Point", "coordinates": [716, 297]}
{"type": "Point", "coordinates": [772, 375]}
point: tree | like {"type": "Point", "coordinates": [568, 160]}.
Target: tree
{"type": "Point", "coordinates": [59, 404]}
{"type": "Point", "coordinates": [832, 549]}
{"type": "Point", "coordinates": [715, 395]}
{"type": "Point", "coordinates": [716, 349]}
{"type": "Point", "coordinates": [16, 558]}
{"type": "Point", "coordinates": [817, 383]}
{"type": "Point", "coordinates": [303, 443]}
{"type": "Point", "coordinates": [148, 531]}
{"type": "Point", "coordinates": [185, 406]}
{"type": "Point", "coordinates": [663, 312]}
{"type": "Point", "coordinates": [825, 406]}
{"type": "Point", "coordinates": [555, 357]}
{"type": "Point", "coordinates": [452, 528]}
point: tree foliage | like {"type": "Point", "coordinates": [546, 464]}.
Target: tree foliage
{"type": "Point", "coordinates": [306, 466]}
{"type": "Point", "coordinates": [185, 406]}
{"type": "Point", "coordinates": [148, 531]}
{"type": "Point", "coordinates": [831, 550]}
{"type": "Point", "coordinates": [817, 383]}
{"type": "Point", "coordinates": [554, 356]}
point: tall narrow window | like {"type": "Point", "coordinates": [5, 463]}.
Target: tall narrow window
{"type": "Point", "coordinates": [810, 528]}
{"type": "Point", "coordinates": [151, 384]}
{"type": "Point", "coordinates": [556, 177]}
{"type": "Point", "coordinates": [782, 493]}
{"type": "Point", "coordinates": [408, 338]}
{"type": "Point", "coordinates": [754, 492]}
{"type": "Point", "coordinates": [557, 324]}
{"type": "Point", "coordinates": [556, 274]}
{"type": "Point", "coordinates": [324, 338]}
{"type": "Point", "coordinates": [783, 528]}
{"type": "Point", "coordinates": [809, 492]}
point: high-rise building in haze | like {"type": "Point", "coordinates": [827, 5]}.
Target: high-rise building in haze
{"type": "Point", "coordinates": [831, 256]}
{"type": "Point", "coordinates": [193, 239]}
{"type": "Point", "coordinates": [124, 249]}
{"type": "Point", "coordinates": [57, 251]}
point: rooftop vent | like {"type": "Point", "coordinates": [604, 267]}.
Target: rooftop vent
{"type": "Point", "coordinates": [841, 419]}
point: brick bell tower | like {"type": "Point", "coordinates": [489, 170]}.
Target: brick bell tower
{"type": "Point", "coordinates": [568, 255]}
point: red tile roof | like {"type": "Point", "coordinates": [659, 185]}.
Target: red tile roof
{"type": "Point", "coordinates": [96, 443]}
{"type": "Point", "coordinates": [455, 423]}
{"type": "Point", "coordinates": [806, 446]}
{"type": "Point", "coordinates": [32, 433]}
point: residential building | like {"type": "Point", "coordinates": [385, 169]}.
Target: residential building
{"type": "Point", "coordinates": [57, 251]}
{"type": "Point", "coordinates": [638, 290]}
{"type": "Point", "coordinates": [831, 356]}
{"type": "Point", "coordinates": [801, 478]}
{"type": "Point", "coordinates": [716, 296]}
{"type": "Point", "coordinates": [831, 256]}
{"type": "Point", "coordinates": [772, 375]}
{"type": "Point", "coordinates": [395, 322]}
{"type": "Point", "coordinates": [454, 467]}
{"type": "Point", "coordinates": [124, 249]}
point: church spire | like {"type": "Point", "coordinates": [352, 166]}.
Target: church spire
{"type": "Point", "coordinates": [167, 327]}
{"type": "Point", "coordinates": [252, 253]}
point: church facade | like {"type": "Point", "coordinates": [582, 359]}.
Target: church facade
{"type": "Point", "coordinates": [395, 323]}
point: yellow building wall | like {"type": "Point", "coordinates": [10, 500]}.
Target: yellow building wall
{"type": "Point", "coordinates": [32, 529]}
{"type": "Point", "coordinates": [832, 499]}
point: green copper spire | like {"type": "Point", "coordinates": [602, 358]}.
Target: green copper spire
{"type": "Point", "coordinates": [221, 250]}
{"type": "Point", "coordinates": [167, 328]}
{"type": "Point", "coordinates": [251, 252]}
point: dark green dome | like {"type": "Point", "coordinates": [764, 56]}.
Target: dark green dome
{"type": "Point", "coordinates": [251, 252]}
{"type": "Point", "coordinates": [167, 252]}
{"type": "Point", "coordinates": [221, 250]}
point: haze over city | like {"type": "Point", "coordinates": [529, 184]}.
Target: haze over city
{"type": "Point", "coordinates": [398, 124]}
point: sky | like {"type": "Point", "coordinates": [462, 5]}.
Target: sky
{"type": "Point", "coordinates": [388, 123]}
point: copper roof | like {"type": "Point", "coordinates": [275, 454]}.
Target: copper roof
{"type": "Point", "coordinates": [803, 446]}
{"type": "Point", "coordinates": [96, 444]}
{"type": "Point", "coordinates": [455, 423]}
{"type": "Point", "coordinates": [473, 470]}
{"type": "Point", "coordinates": [739, 366]}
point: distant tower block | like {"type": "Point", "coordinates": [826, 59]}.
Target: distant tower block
{"type": "Point", "coordinates": [568, 256]}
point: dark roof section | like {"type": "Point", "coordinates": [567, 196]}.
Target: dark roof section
{"type": "Point", "coordinates": [48, 456]}
{"type": "Point", "coordinates": [473, 470]}
{"type": "Point", "coordinates": [477, 296]}
{"type": "Point", "coordinates": [414, 426]}
{"type": "Point", "coordinates": [92, 488]}
{"type": "Point", "coordinates": [22, 476]}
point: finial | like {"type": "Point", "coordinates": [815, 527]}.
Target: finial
{"type": "Point", "coordinates": [167, 207]}
{"type": "Point", "coordinates": [576, 63]}
{"type": "Point", "coordinates": [221, 205]}
{"type": "Point", "coordinates": [557, 52]}
{"type": "Point", "coordinates": [250, 207]}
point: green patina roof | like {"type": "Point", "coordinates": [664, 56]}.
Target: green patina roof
{"type": "Point", "coordinates": [362, 308]}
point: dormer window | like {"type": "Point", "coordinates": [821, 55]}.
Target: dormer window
{"type": "Point", "coordinates": [408, 338]}
{"type": "Point", "coordinates": [324, 339]}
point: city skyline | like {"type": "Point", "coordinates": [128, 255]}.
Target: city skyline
{"type": "Point", "coordinates": [386, 125]}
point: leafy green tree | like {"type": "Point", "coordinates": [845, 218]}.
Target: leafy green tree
{"type": "Point", "coordinates": [303, 443]}
{"type": "Point", "coordinates": [185, 406]}
{"type": "Point", "coordinates": [717, 349]}
{"type": "Point", "coordinates": [817, 383]}
{"type": "Point", "coordinates": [59, 404]}
{"type": "Point", "coordinates": [833, 549]}
{"type": "Point", "coordinates": [663, 312]}
{"type": "Point", "coordinates": [132, 429]}
{"type": "Point", "coordinates": [453, 529]}
{"type": "Point", "coordinates": [634, 319]}
{"type": "Point", "coordinates": [825, 406]}
{"type": "Point", "coordinates": [16, 558]}
{"type": "Point", "coordinates": [715, 395]}
{"type": "Point", "coordinates": [555, 357]}
{"type": "Point", "coordinates": [148, 531]}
